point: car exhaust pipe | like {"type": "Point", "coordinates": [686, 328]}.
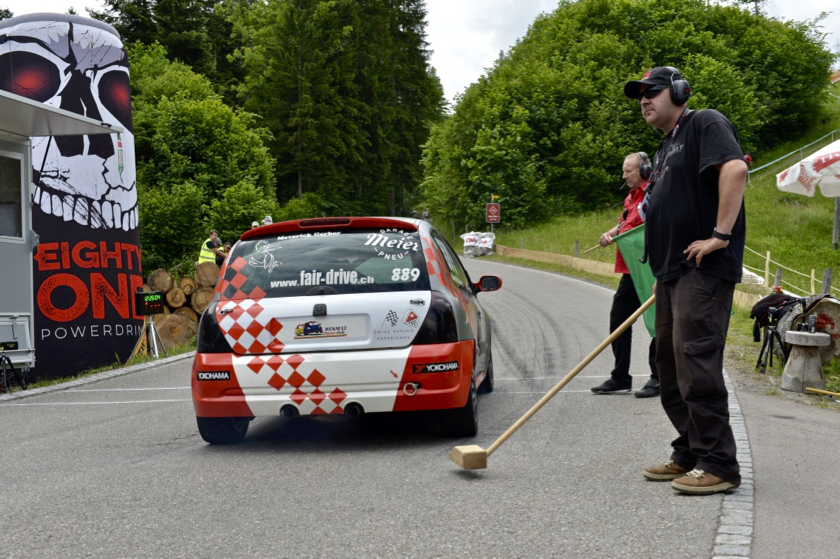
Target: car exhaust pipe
{"type": "Point", "coordinates": [353, 409]}
{"type": "Point", "coordinates": [289, 411]}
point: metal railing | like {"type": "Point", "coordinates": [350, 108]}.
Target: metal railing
{"type": "Point", "coordinates": [799, 151]}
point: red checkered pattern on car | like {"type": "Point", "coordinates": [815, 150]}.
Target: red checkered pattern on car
{"type": "Point", "coordinates": [248, 328]}
{"type": "Point", "coordinates": [435, 265]}
{"type": "Point", "coordinates": [438, 270]}
{"type": "Point", "coordinates": [309, 389]}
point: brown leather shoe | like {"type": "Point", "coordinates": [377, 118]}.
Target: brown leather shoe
{"type": "Point", "coordinates": [665, 472]}
{"type": "Point", "coordinates": [698, 482]}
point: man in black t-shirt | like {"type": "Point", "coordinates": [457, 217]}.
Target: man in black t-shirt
{"type": "Point", "coordinates": [695, 243]}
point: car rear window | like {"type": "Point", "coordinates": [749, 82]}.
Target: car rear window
{"type": "Point", "coordinates": [341, 261]}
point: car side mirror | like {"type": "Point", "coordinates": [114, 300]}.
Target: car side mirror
{"type": "Point", "coordinates": [488, 283]}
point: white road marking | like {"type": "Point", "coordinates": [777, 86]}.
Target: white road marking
{"type": "Point", "coordinates": [497, 393]}
{"type": "Point", "coordinates": [559, 377]}
{"type": "Point", "coordinates": [124, 389]}
{"type": "Point", "coordinates": [98, 403]}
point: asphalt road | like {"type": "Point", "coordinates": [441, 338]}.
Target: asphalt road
{"type": "Point", "coordinates": [116, 467]}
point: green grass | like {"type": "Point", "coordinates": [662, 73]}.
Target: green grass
{"type": "Point", "coordinates": [832, 376]}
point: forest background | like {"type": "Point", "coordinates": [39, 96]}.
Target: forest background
{"type": "Point", "coordinates": [304, 108]}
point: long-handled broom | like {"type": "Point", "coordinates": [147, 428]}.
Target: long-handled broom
{"type": "Point", "coordinates": [473, 457]}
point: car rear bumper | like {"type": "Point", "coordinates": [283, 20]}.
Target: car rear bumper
{"type": "Point", "coordinates": [425, 377]}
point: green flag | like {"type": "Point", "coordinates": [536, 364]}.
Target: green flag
{"type": "Point", "coordinates": [632, 245]}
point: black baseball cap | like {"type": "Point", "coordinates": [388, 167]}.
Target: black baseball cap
{"type": "Point", "coordinates": [661, 75]}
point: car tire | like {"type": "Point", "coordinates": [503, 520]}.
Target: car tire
{"type": "Point", "coordinates": [489, 381]}
{"type": "Point", "coordinates": [222, 430]}
{"type": "Point", "coordinates": [461, 422]}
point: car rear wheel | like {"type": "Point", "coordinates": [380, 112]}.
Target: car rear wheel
{"type": "Point", "coordinates": [461, 422]}
{"type": "Point", "coordinates": [222, 430]}
{"type": "Point", "coordinates": [489, 381]}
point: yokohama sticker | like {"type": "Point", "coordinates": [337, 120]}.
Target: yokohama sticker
{"type": "Point", "coordinates": [213, 375]}
{"type": "Point", "coordinates": [435, 367]}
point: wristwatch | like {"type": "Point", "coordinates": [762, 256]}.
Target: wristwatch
{"type": "Point", "coordinates": [722, 236]}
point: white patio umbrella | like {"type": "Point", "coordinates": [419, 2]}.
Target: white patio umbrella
{"type": "Point", "coordinates": [820, 169]}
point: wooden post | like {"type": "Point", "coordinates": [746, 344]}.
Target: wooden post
{"type": "Point", "coordinates": [778, 281]}
{"type": "Point", "coordinates": [767, 270]}
{"type": "Point", "coordinates": [521, 242]}
{"type": "Point", "coordinates": [577, 249]}
{"type": "Point", "coordinates": [813, 281]}
{"type": "Point", "coordinates": [826, 284]}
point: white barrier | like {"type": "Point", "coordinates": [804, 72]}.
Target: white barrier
{"type": "Point", "coordinates": [478, 244]}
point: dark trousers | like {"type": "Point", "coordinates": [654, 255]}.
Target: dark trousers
{"type": "Point", "coordinates": [625, 303]}
{"type": "Point", "coordinates": [692, 319]}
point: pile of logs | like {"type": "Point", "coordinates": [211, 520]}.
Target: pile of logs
{"type": "Point", "coordinates": [185, 301]}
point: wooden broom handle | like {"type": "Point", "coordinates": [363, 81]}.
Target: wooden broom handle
{"type": "Point", "coordinates": [580, 366]}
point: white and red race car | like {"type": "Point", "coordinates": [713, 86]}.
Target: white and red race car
{"type": "Point", "coordinates": [346, 316]}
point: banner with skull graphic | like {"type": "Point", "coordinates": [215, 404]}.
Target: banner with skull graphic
{"type": "Point", "coordinates": [84, 191]}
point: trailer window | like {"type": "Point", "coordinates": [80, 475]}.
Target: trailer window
{"type": "Point", "coordinates": [11, 198]}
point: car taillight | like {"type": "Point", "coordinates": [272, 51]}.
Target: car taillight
{"type": "Point", "coordinates": [439, 326]}
{"type": "Point", "coordinates": [210, 336]}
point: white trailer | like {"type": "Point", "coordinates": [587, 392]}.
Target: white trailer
{"type": "Point", "coordinates": [20, 120]}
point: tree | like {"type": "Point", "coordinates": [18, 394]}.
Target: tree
{"type": "Point", "coordinates": [756, 4]}
{"type": "Point", "coordinates": [347, 92]}
{"type": "Point", "coordinates": [416, 96]}
{"type": "Point", "coordinates": [172, 224]}
{"type": "Point", "coordinates": [238, 206]}
{"type": "Point", "coordinates": [299, 78]}
{"type": "Point", "coordinates": [133, 19]}
{"type": "Point", "coordinates": [200, 164]}
{"type": "Point", "coordinates": [549, 126]}
{"type": "Point", "coordinates": [195, 32]}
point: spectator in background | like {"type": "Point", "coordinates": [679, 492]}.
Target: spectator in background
{"type": "Point", "coordinates": [255, 224]}
{"type": "Point", "coordinates": [267, 220]}
{"type": "Point", "coordinates": [209, 249]}
{"type": "Point", "coordinates": [220, 258]}
{"type": "Point", "coordinates": [636, 171]}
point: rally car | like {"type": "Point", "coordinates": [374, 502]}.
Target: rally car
{"type": "Point", "coordinates": [400, 327]}
{"type": "Point", "coordinates": [310, 328]}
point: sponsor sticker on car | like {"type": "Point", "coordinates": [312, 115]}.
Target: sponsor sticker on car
{"type": "Point", "coordinates": [213, 375]}
{"type": "Point", "coordinates": [392, 244]}
{"type": "Point", "coordinates": [422, 368]}
{"type": "Point", "coordinates": [348, 326]}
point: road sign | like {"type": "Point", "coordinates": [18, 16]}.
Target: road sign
{"type": "Point", "coordinates": [494, 213]}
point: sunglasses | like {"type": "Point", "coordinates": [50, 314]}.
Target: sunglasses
{"type": "Point", "coordinates": [652, 92]}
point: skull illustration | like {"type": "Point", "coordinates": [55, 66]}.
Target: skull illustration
{"type": "Point", "coordinates": [78, 65]}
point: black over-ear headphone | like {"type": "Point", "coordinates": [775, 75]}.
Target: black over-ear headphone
{"type": "Point", "coordinates": [644, 166]}
{"type": "Point", "coordinates": [680, 89]}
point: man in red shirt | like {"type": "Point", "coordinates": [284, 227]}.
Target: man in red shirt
{"type": "Point", "coordinates": [636, 171]}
